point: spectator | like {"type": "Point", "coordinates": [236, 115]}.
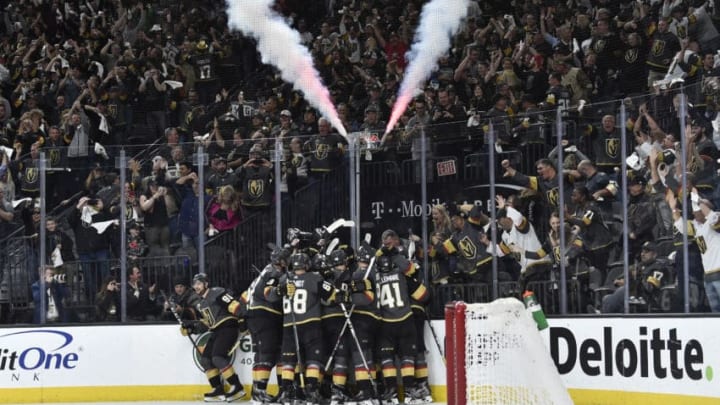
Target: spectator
{"type": "Point", "coordinates": [141, 304]}
{"type": "Point", "coordinates": [136, 246]}
{"type": "Point", "coordinates": [223, 211]}
{"type": "Point", "coordinates": [92, 246]}
{"type": "Point", "coordinates": [7, 214]}
{"type": "Point", "coordinates": [663, 47]}
{"type": "Point", "coordinates": [593, 231]}
{"type": "Point", "coordinates": [188, 187]}
{"type": "Point", "coordinates": [647, 277]}
{"type": "Point", "coordinates": [447, 118]}
{"type": "Point", "coordinates": [59, 245]}
{"type": "Point", "coordinates": [294, 169]}
{"type": "Point", "coordinates": [605, 145]}
{"type": "Point", "coordinates": [641, 215]}
{"type": "Point", "coordinates": [57, 293]}
{"type": "Point", "coordinates": [156, 221]}
{"type": "Point", "coordinates": [182, 301]}
{"type": "Point", "coordinates": [219, 177]}
{"type": "Point", "coordinates": [107, 301]}
{"type": "Point", "coordinates": [255, 182]}
{"type": "Point", "coordinates": [327, 150]}
{"type": "Point", "coordinates": [152, 92]}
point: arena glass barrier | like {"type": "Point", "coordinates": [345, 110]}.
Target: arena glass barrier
{"type": "Point", "coordinates": [392, 182]}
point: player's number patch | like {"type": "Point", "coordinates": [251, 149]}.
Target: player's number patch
{"type": "Point", "coordinates": [298, 304]}
{"type": "Point", "coordinates": [390, 296]}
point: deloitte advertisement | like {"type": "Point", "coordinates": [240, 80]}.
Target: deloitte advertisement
{"type": "Point", "coordinates": [653, 355]}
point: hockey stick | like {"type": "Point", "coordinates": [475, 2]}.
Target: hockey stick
{"type": "Point", "coordinates": [337, 342]}
{"type": "Point", "coordinates": [345, 325]}
{"type": "Point", "coordinates": [177, 317]}
{"type": "Point", "coordinates": [297, 344]}
{"type": "Point", "coordinates": [435, 337]}
{"type": "Point", "coordinates": [349, 323]}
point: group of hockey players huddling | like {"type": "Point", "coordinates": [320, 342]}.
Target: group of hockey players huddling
{"type": "Point", "coordinates": [338, 323]}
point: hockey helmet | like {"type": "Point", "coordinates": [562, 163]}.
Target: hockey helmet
{"type": "Point", "coordinates": [365, 253]}
{"type": "Point", "coordinates": [300, 261]}
{"type": "Point", "coordinates": [279, 255]}
{"type": "Point", "coordinates": [384, 264]}
{"type": "Point", "coordinates": [338, 258]}
{"type": "Point", "coordinates": [320, 263]}
{"type": "Point", "coordinates": [201, 277]}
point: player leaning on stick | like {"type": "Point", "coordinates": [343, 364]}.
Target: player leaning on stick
{"type": "Point", "coordinates": [221, 315]}
{"type": "Point", "coordinates": [302, 294]}
{"type": "Point", "coordinates": [265, 323]}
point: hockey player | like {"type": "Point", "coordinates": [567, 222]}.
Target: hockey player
{"type": "Point", "coordinates": [221, 315]}
{"type": "Point", "coordinates": [393, 247]}
{"type": "Point", "coordinates": [333, 319]}
{"type": "Point", "coordinates": [302, 293]}
{"type": "Point", "coordinates": [398, 335]}
{"type": "Point", "coordinates": [265, 323]}
{"type": "Point", "coordinates": [365, 317]}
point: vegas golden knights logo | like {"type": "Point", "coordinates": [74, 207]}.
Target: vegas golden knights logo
{"type": "Point", "coordinates": [631, 55]}
{"type": "Point", "coordinates": [701, 244]}
{"type": "Point", "coordinates": [321, 153]}
{"type": "Point", "coordinates": [658, 47]}
{"type": "Point", "coordinates": [112, 110]}
{"type": "Point", "coordinates": [611, 147]}
{"type": "Point", "coordinates": [296, 161]}
{"type": "Point", "coordinates": [553, 197]}
{"type": "Point", "coordinates": [54, 157]}
{"type": "Point", "coordinates": [599, 46]}
{"type": "Point", "coordinates": [31, 175]}
{"type": "Point", "coordinates": [467, 247]}
{"type": "Point", "coordinates": [256, 188]}
{"type": "Point", "coordinates": [558, 254]}
{"type": "Point", "coordinates": [681, 32]}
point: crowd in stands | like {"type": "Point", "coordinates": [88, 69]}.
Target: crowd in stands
{"type": "Point", "coordinates": [79, 79]}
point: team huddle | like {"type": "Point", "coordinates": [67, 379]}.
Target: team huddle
{"type": "Point", "coordinates": [340, 326]}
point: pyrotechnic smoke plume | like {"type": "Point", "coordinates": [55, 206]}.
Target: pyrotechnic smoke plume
{"type": "Point", "coordinates": [439, 20]}
{"type": "Point", "coordinates": [280, 45]}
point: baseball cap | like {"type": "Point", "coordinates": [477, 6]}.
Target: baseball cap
{"type": "Point", "coordinates": [285, 113]}
{"type": "Point", "coordinates": [650, 246]}
{"type": "Point", "coordinates": [638, 179]}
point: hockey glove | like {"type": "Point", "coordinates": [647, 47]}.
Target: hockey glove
{"type": "Point", "coordinates": [281, 290]}
{"type": "Point", "coordinates": [361, 285]}
{"type": "Point", "coordinates": [186, 328]}
{"type": "Point", "coordinates": [290, 289]}
{"type": "Point", "coordinates": [389, 251]}
{"type": "Point", "coordinates": [242, 327]}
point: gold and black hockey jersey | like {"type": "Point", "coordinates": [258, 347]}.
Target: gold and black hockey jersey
{"type": "Point", "coordinates": [217, 307]}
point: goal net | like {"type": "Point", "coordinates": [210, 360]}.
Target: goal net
{"type": "Point", "coordinates": [495, 355]}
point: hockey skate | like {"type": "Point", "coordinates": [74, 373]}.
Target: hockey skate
{"type": "Point", "coordinates": [338, 396]}
{"type": "Point", "coordinates": [363, 398]}
{"type": "Point", "coordinates": [420, 394]}
{"type": "Point", "coordinates": [261, 397]}
{"type": "Point", "coordinates": [236, 392]}
{"type": "Point", "coordinates": [286, 397]}
{"type": "Point", "coordinates": [313, 397]}
{"type": "Point", "coordinates": [417, 396]}
{"type": "Point", "coordinates": [390, 396]}
{"type": "Point", "coordinates": [216, 395]}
